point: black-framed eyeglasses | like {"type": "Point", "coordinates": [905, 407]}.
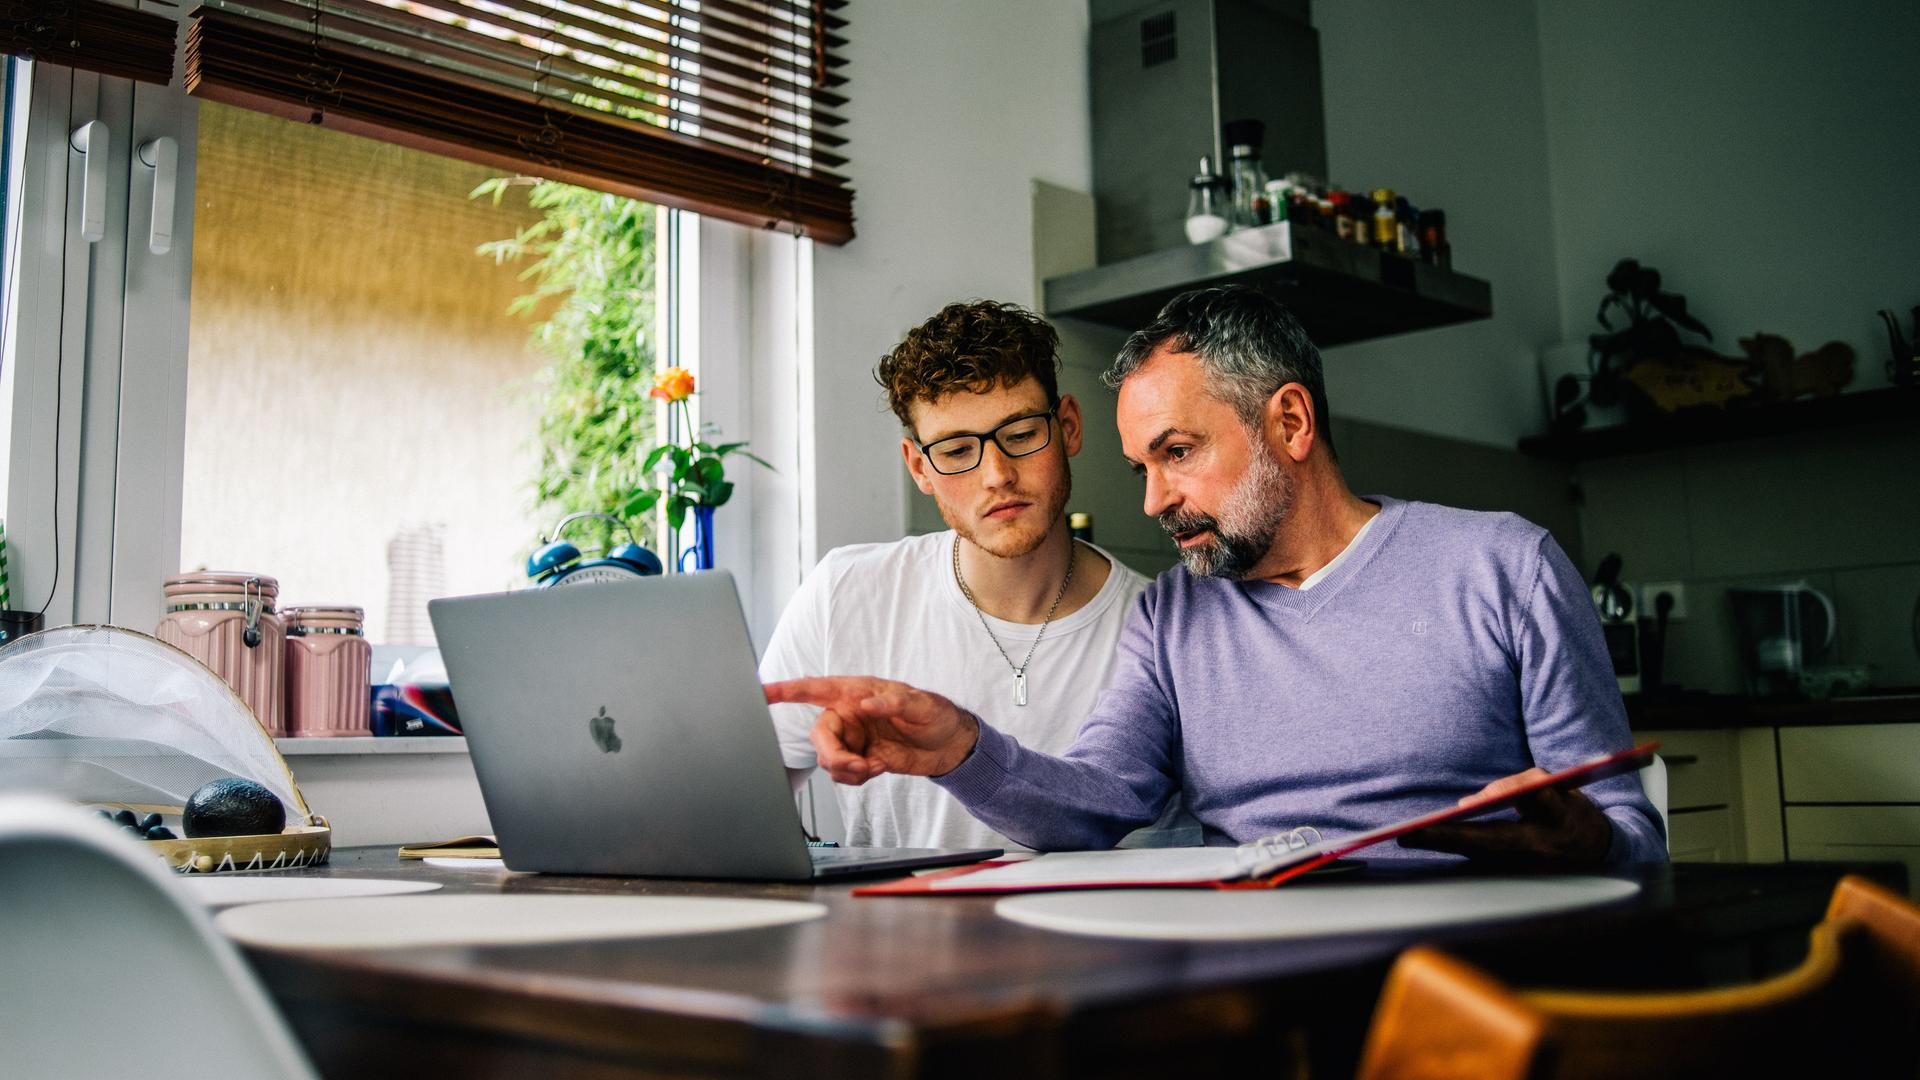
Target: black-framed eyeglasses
{"type": "Point", "coordinates": [1018, 437]}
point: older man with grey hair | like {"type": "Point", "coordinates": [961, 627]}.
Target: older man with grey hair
{"type": "Point", "coordinates": [1319, 658]}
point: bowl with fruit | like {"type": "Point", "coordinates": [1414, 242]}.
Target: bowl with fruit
{"type": "Point", "coordinates": [228, 824]}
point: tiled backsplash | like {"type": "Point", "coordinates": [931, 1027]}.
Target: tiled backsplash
{"type": "Point", "coordinates": [1839, 510]}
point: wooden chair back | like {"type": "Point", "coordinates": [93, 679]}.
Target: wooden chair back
{"type": "Point", "coordinates": [1849, 1009]}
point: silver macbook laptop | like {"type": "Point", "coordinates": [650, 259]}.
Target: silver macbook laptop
{"type": "Point", "coordinates": [620, 728]}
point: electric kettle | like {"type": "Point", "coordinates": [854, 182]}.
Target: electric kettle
{"type": "Point", "coordinates": [1784, 630]}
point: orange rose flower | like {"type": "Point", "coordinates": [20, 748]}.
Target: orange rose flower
{"type": "Point", "coordinates": [671, 385]}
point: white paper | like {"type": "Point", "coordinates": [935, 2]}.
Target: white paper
{"type": "Point", "coordinates": [1159, 865]}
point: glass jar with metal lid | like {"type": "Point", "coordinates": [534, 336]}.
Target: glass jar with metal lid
{"type": "Point", "coordinates": [226, 620]}
{"type": "Point", "coordinates": [328, 670]}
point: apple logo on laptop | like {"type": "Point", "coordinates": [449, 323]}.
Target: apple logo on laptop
{"type": "Point", "coordinates": [601, 728]}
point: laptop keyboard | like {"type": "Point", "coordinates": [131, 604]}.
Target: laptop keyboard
{"type": "Point", "coordinates": [841, 856]}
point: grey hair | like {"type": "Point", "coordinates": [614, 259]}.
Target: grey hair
{"type": "Point", "coordinates": [1249, 346]}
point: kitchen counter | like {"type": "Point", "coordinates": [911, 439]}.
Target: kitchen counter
{"type": "Point", "coordinates": [1715, 711]}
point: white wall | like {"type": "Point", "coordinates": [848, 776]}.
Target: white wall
{"type": "Point", "coordinates": [1442, 102]}
{"type": "Point", "coordinates": [1762, 156]}
{"type": "Point", "coordinates": [956, 109]}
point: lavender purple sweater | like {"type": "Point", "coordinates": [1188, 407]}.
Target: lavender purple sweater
{"type": "Point", "coordinates": [1451, 648]}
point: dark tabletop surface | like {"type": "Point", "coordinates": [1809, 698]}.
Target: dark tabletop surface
{"type": "Point", "coordinates": [900, 986]}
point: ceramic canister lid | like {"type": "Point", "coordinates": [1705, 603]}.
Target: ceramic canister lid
{"type": "Point", "coordinates": [221, 581]}
{"type": "Point", "coordinates": [324, 614]}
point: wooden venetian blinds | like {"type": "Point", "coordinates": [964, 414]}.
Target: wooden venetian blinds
{"type": "Point", "coordinates": [90, 34]}
{"type": "Point", "coordinates": [724, 107]}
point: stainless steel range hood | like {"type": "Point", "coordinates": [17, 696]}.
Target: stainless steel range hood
{"type": "Point", "coordinates": [1164, 75]}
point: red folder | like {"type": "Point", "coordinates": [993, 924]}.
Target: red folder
{"type": "Point", "coordinates": [1261, 864]}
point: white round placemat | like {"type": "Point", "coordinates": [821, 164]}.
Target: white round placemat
{"type": "Point", "coordinates": [386, 922]}
{"type": "Point", "coordinates": [1305, 911]}
{"type": "Point", "coordinates": [227, 891]}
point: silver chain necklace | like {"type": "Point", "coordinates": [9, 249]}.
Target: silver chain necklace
{"type": "Point", "coordinates": [1020, 672]}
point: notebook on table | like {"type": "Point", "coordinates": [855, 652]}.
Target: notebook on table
{"type": "Point", "coordinates": [1259, 864]}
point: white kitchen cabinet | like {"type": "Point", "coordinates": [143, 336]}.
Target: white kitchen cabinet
{"type": "Point", "coordinates": [1851, 792]}
{"type": "Point", "coordinates": [1813, 793]}
{"type": "Point", "coordinates": [1703, 836]}
{"type": "Point", "coordinates": [1851, 763]}
{"type": "Point", "coordinates": [1706, 803]}
{"type": "Point", "coordinates": [1701, 767]}
{"type": "Point", "coordinates": [1856, 834]}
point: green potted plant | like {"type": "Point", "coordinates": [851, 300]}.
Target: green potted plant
{"type": "Point", "coordinates": [690, 476]}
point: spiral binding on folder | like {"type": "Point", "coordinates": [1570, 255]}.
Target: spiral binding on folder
{"type": "Point", "coordinates": [1269, 853]}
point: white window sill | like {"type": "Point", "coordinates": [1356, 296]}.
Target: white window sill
{"type": "Point", "coordinates": [367, 744]}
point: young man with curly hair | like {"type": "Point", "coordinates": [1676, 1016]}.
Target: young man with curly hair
{"type": "Point", "coordinates": [1004, 609]}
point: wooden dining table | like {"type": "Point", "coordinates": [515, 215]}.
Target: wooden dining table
{"type": "Point", "coordinates": [919, 986]}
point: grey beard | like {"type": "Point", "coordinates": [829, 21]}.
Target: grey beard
{"type": "Point", "coordinates": [1225, 556]}
{"type": "Point", "coordinates": [1248, 522]}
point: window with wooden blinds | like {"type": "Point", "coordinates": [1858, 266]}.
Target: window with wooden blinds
{"type": "Point", "coordinates": [724, 107]}
{"type": "Point", "coordinates": [90, 34]}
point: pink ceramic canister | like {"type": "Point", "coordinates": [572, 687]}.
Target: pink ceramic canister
{"type": "Point", "coordinates": [329, 676]}
{"type": "Point", "coordinates": [227, 622]}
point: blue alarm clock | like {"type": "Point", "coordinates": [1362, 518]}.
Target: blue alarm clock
{"type": "Point", "coordinates": [560, 562]}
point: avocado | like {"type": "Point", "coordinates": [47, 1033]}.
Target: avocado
{"type": "Point", "coordinates": [231, 806]}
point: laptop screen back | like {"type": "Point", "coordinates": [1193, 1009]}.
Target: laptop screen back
{"type": "Point", "coordinates": [620, 728]}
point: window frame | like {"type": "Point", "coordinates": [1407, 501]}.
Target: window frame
{"type": "Point", "coordinates": [82, 394]}
{"type": "Point", "coordinates": [115, 389]}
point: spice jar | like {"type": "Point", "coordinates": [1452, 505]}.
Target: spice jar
{"type": "Point", "coordinates": [227, 622]}
{"type": "Point", "coordinates": [1247, 175]}
{"type": "Point", "coordinates": [1405, 218]}
{"type": "Point", "coordinates": [1433, 239]}
{"type": "Point", "coordinates": [1342, 213]}
{"type": "Point", "coordinates": [1207, 205]}
{"type": "Point", "coordinates": [1279, 200]}
{"type": "Point", "coordinates": [1385, 226]}
{"type": "Point", "coordinates": [329, 678]}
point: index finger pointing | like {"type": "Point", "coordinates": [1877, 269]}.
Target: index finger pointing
{"type": "Point", "coordinates": [821, 691]}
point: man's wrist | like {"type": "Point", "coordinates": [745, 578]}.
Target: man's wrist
{"type": "Point", "coordinates": [970, 734]}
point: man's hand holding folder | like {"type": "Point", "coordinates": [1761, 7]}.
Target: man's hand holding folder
{"type": "Point", "coordinates": [1556, 826]}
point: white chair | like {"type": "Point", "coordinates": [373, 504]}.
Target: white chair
{"type": "Point", "coordinates": [1653, 781]}
{"type": "Point", "coordinates": [111, 970]}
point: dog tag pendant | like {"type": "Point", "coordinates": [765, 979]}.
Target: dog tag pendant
{"type": "Point", "coordinates": [1019, 688]}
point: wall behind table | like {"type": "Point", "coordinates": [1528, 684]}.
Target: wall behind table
{"type": "Point", "coordinates": [1442, 102]}
{"type": "Point", "coordinates": [1763, 157]}
{"type": "Point", "coordinates": [956, 108]}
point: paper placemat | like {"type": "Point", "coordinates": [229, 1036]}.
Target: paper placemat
{"type": "Point", "coordinates": [227, 891]}
{"type": "Point", "coordinates": [387, 922]}
{"type": "Point", "coordinates": [1306, 911]}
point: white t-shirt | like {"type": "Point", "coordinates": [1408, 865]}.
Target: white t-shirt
{"type": "Point", "coordinates": [895, 611]}
{"type": "Point", "coordinates": [1334, 563]}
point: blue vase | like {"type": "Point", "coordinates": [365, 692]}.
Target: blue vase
{"type": "Point", "coordinates": [702, 548]}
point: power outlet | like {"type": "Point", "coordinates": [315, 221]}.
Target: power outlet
{"type": "Point", "coordinates": [1650, 596]}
